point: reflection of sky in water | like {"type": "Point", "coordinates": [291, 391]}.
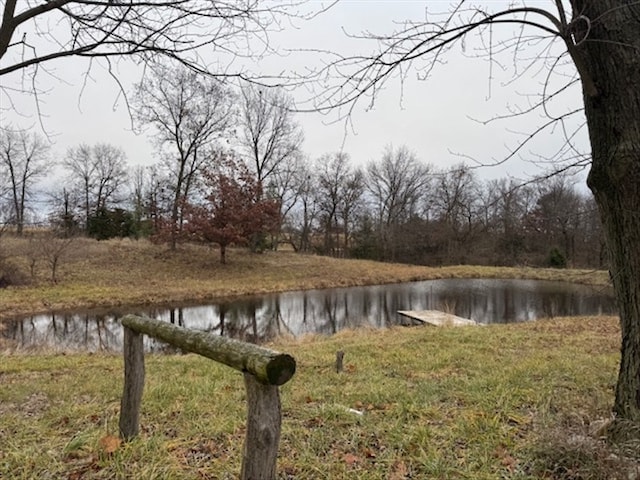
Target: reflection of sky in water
{"type": "Point", "coordinates": [321, 311]}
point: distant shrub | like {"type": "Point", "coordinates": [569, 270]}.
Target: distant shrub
{"type": "Point", "coordinates": [107, 224]}
{"type": "Point", "coordinates": [11, 275]}
{"type": "Point", "coordinates": [556, 259]}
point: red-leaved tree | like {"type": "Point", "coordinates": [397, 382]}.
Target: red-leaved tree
{"type": "Point", "coordinates": [234, 209]}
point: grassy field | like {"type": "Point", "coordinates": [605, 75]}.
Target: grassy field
{"type": "Point", "coordinates": [521, 401]}
{"type": "Point", "coordinates": [120, 272]}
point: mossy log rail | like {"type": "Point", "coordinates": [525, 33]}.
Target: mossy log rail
{"type": "Point", "coordinates": [269, 367]}
{"type": "Point", "coordinates": [264, 370]}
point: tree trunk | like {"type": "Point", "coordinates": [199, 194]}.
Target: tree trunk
{"type": "Point", "coordinates": [23, 196]}
{"type": "Point", "coordinates": [176, 207]}
{"type": "Point", "coordinates": [223, 253]}
{"type": "Point", "coordinates": [611, 55]}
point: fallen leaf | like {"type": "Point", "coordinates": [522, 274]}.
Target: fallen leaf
{"type": "Point", "coordinates": [350, 459]}
{"type": "Point", "coordinates": [350, 368]}
{"type": "Point", "coordinates": [399, 471]}
{"type": "Point", "coordinates": [110, 444]}
{"type": "Point", "coordinates": [506, 460]}
{"type": "Point", "coordinates": [509, 462]}
{"type": "Point", "coordinates": [369, 453]}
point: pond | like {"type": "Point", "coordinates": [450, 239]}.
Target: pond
{"type": "Point", "coordinates": [258, 319]}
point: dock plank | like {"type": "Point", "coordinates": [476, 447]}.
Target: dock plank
{"type": "Point", "coordinates": [437, 318]}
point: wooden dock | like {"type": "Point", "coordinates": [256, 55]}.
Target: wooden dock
{"type": "Point", "coordinates": [437, 318]}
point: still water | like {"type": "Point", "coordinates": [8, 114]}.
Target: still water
{"type": "Point", "coordinates": [257, 319]}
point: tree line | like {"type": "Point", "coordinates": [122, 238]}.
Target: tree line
{"type": "Point", "coordinates": [232, 170]}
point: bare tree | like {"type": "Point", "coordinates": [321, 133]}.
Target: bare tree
{"type": "Point", "coordinates": [36, 34]}
{"type": "Point", "coordinates": [190, 115]}
{"type": "Point", "coordinates": [302, 217]}
{"type": "Point", "coordinates": [55, 250]}
{"type": "Point", "coordinates": [396, 183]}
{"type": "Point", "coordinates": [63, 215]}
{"type": "Point", "coordinates": [339, 188]}
{"type": "Point", "coordinates": [286, 185]}
{"type": "Point", "coordinates": [97, 172]}
{"type": "Point", "coordinates": [23, 160]}
{"type": "Point", "coordinates": [592, 43]}
{"type": "Point", "coordinates": [111, 173]}
{"type": "Point", "coordinates": [593, 247]}
{"type": "Point", "coordinates": [507, 205]}
{"type": "Point", "coordinates": [79, 164]}
{"type": "Point", "coordinates": [556, 216]}
{"type": "Point", "coordinates": [136, 198]}
{"type": "Point", "coordinates": [269, 136]}
{"type": "Point", "coordinates": [351, 204]}
{"type": "Point", "coordinates": [455, 199]}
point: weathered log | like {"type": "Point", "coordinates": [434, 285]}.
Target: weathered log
{"type": "Point", "coordinates": [268, 366]}
{"type": "Point", "coordinates": [264, 416]}
{"type": "Point", "coordinates": [133, 383]}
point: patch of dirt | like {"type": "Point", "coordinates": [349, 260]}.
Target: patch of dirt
{"type": "Point", "coordinates": [35, 404]}
{"type": "Point", "coordinates": [6, 407]}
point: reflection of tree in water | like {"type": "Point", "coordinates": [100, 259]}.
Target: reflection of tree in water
{"type": "Point", "coordinates": [339, 310]}
{"type": "Point", "coordinates": [176, 316]}
{"type": "Point", "coordinates": [107, 336]}
{"type": "Point", "coordinates": [66, 331]}
{"type": "Point", "coordinates": [330, 311]}
{"type": "Point", "coordinates": [557, 304]}
{"type": "Point", "coordinates": [508, 305]}
{"type": "Point", "coordinates": [305, 307]}
{"type": "Point", "coordinates": [15, 331]}
{"type": "Point", "coordinates": [274, 323]}
{"type": "Point", "coordinates": [384, 307]}
{"type": "Point", "coordinates": [325, 312]}
{"type": "Point", "coordinates": [239, 320]}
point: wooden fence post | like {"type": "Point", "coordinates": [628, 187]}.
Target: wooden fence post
{"type": "Point", "coordinates": [261, 442]}
{"type": "Point", "coordinates": [133, 383]}
{"type": "Point", "coordinates": [263, 369]}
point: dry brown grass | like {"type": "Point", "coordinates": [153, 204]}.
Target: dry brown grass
{"type": "Point", "coordinates": [120, 272]}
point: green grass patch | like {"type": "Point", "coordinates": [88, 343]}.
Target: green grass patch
{"type": "Point", "coordinates": [523, 401]}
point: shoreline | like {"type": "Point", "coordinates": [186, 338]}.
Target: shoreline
{"type": "Point", "coordinates": [124, 273]}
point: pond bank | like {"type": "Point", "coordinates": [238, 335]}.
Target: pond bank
{"type": "Point", "coordinates": [262, 318]}
{"type": "Point", "coordinates": [124, 272]}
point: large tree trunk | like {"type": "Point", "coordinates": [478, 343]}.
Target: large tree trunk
{"type": "Point", "coordinates": [611, 55]}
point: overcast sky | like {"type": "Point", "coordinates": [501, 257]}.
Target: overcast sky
{"type": "Point", "coordinates": [433, 117]}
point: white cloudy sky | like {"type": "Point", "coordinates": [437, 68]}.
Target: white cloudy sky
{"type": "Point", "coordinates": [434, 118]}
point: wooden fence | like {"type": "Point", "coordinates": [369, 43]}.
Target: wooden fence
{"type": "Point", "coordinates": [264, 371]}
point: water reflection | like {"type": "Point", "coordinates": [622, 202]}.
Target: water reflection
{"type": "Point", "coordinates": [257, 319]}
